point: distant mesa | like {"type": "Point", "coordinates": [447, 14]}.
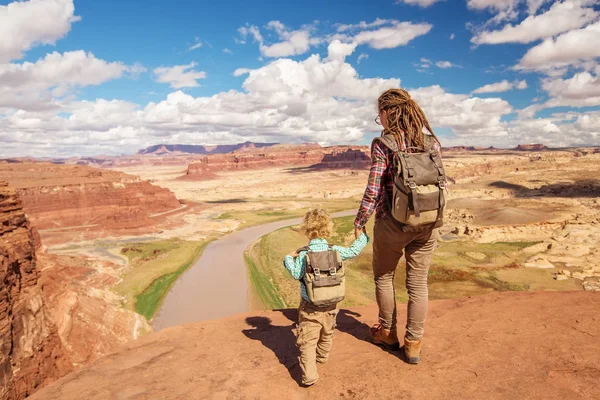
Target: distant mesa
{"type": "Point", "coordinates": [530, 147]}
{"type": "Point", "coordinates": [167, 149]}
{"type": "Point", "coordinates": [309, 155]}
{"type": "Point", "coordinates": [468, 148]}
{"type": "Point", "coordinates": [349, 159]}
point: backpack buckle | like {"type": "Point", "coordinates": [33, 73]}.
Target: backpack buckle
{"type": "Point", "coordinates": [412, 185]}
{"type": "Point", "coordinates": [317, 271]}
{"type": "Point", "coordinates": [333, 272]}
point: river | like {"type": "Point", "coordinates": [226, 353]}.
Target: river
{"type": "Point", "coordinates": [216, 286]}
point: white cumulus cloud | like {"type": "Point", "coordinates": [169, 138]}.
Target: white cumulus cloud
{"type": "Point", "coordinates": [179, 76]}
{"type": "Point", "coordinates": [316, 99]}
{"type": "Point", "coordinates": [32, 86]}
{"type": "Point", "coordinates": [339, 51]}
{"type": "Point", "coordinates": [570, 48]}
{"type": "Point", "coordinates": [395, 35]}
{"type": "Point", "coordinates": [363, 25]}
{"type": "Point", "coordinates": [561, 17]}
{"type": "Point", "coordinates": [582, 89]}
{"type": "Point", "coordinates": [421, 3]}
{"type": "Point", "coordinates": [505, 10]}
{"type": "Point", "coordinates": [26, 24]}
{"type": "Point", "coordinates": [444, 64]}
{"type": "Point", "coordinates": [503, 86]}
{"type": "Point", "coordinates": [291, 42]}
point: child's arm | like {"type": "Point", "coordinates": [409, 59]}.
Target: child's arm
{"type": "Point", "coordinates": [295, 266]}
{"type": "Point", "coordinates": [354, 249]}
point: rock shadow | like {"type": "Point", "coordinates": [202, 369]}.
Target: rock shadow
{"type": "Point", "coordinates": [580, 188]}
{"type": "Point", "coordinates": [227, 201]}
{"type": "Point", "coordinates": [280, 340]}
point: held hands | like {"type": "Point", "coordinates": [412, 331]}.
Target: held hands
{"type": "Point", "coordinates": [294, 254]}
{"type": "Point", "coordinates": [358, 231]}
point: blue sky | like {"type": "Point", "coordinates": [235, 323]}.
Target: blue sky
{"type": "Point", "coordinates": [87, 77]}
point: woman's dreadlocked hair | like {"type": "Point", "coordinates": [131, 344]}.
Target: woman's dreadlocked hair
{"type": "Point", "coordinates": [404, 116]}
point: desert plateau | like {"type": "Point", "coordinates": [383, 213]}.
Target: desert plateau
{"type": "Point", "coordinates": [332, 200]}
{"type": "Point", "coordinates": [108, 246]}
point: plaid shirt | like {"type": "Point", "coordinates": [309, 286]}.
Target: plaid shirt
{"type": "Point", "coordinates": [381, 176]}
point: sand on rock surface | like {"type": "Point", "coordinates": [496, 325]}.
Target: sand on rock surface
{"type": "Point", "coordinates": [540, 345]}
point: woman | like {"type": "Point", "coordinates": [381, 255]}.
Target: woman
{"type": "Point", "coordinates": [402, 118]}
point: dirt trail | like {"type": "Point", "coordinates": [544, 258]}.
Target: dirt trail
{"type": "Point", "coordinates": [501, 346]}
{"type": "Point", "coordinates": [216, 286]}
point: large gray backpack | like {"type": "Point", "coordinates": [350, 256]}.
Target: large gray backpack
{"type": "Point", "coordinates": [419, 196]}
{"type": "Point", "coordinates": [325, 277]}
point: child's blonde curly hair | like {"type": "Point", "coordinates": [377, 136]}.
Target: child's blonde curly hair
{"type": "Point", "coordinates": [317, 224]}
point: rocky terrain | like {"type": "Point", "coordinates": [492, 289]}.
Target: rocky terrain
{"type": "Point", "coordinates": [533, 146]}
{"type": "Point", "coordinates": [90, 318]}
{"type": "Point", "coordinates": [61, 197]}
{"type": "Point", "coordinates": [549, 197]}
{"type": "Point", "coordinates": [56, 312]}
{"type": "Point", "coordinates": [31, 352]}
{"type": "Point", "coordinates": [498, 346]}
{"type": "Point", "coordinates": [341, 157]}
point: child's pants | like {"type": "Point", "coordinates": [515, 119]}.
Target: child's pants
{"type": "Point", "coordinates": [314, 337]}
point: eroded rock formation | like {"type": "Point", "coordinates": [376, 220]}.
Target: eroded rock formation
{"type": "Point", "coordinates": [533, 146]}
{"type": "Point", "coordinates": [58, 196]}
{"type": "Point", "coordinates": [89, 317]}
{"type": "Point", "coordinates": [161, 149]}
{"type": "Point", "coordinates": [31, 353]}
{"type": "Point", "coordinates": [351, 157]}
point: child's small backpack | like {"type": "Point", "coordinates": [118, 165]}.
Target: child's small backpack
{"type": "Point", "coordinates": [325, 277]}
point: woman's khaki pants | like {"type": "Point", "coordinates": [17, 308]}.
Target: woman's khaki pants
{"type": "Point", "coordinates": [389, 243]}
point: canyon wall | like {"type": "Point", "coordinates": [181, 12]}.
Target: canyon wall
{"type": "Point", "coordinates": [58, 196]}
{"type": "Point", "coordinates": [351, 157]}
{"type": "Point", "coordinates": [31, 353]}
{"type": "Point", "coordinates": [201, 149]}
{"type": "Point", "coordinates": [89, 316]}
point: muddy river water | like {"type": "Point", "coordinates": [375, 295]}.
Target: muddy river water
{"type": "Point", "coordinates": [216, 286]}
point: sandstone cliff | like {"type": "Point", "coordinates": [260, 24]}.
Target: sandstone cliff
{"type": "Point", "coordinates": [499, 346]}
{"type": "Point", "coordinates": [200, 149]}
{"type": "Point", "coordinates": [59, 196]}
{"type": "Point", "coordinates": [349, 159]}
{"type": "Point", "coordinates": [89, 317]}
{"type": "Point", "coordinates": [339, 157]}
{"type": "Point", "coordinates": [533, 146]}
{"type": "Point", "coordinates": [31, 353]}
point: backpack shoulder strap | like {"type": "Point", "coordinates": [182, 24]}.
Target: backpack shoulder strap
{"type": "Point", "coordinates": [388, 141]}
{"type": "Point", "coordinates": [428, 141]}
{"type": "Point", "coordinates": [303, 248]}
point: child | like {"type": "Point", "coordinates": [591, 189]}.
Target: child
{"type": "Point", "coordinates": [316, 323]}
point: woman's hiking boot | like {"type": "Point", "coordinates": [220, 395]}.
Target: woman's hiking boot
{"type": "Point", "coordinates": [412, 350]}
{"type": "Point", "coordinates": [385, 337]}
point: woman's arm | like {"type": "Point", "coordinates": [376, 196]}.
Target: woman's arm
{"type": "Point", "coordinates": [374, 187]}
